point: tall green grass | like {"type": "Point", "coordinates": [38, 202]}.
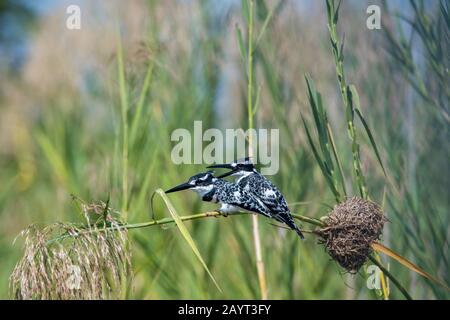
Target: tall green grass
{"type": "Point", "coordinates": [325, 149]}
{"type": "Point", "coordinates": [121, 147]}
{"type": "Point", "coordinates": [416, 46]}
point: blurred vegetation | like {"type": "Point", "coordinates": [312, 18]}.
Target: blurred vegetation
{"type": "Point", "coordinates": [17, 18]}
{"type": "Point", "coordinates": [93, 108]}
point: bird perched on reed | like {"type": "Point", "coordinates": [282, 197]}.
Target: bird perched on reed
{"type": "Point", "coordinates": [230, 195]}
{"type": "Point", "coordinates": [260, 189]}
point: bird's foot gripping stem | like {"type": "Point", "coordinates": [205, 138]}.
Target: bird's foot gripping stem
{"type": "Point", "coordinates": [222, 213]}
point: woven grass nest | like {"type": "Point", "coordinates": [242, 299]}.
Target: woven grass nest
{"type": "Point", "coordinates": [350, 229]}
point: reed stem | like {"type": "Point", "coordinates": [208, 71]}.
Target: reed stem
{"type": "Point", "coordinates": [124, 114]}
{"type": "Point", "coordinates": [256, 236]}
{"type": "Point", "coordinates": [163, 221]}
{"type": "Point", "coordinates": [390, 276]}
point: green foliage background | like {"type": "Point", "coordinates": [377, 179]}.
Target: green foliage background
{"type": "Point", "coordinates": [64, 114]}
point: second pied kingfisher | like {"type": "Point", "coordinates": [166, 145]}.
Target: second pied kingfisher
{"type": "Point", "coordinates": [261, 190]}
{"type": "Point", "coordinates": [230, 195]}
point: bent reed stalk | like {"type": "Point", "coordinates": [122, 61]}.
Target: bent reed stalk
{"type": "Point", "coordinates": [164, 221]}
{"type": "Point", "coordinates": [203, 215]}
{"type": "Point", "coordinates": [114, 226]}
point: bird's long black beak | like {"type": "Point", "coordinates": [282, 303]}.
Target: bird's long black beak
{"type": "Point", "coordinates": [180, 187]}
{"type": "Point", "coordinates": [229, 173]}
{"type": "Point", "coordinates": [224, 166]}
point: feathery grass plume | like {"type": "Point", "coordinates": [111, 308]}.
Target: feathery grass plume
{"type": "Point", "coordinates": [350, 230]}
{"type": "Point", "coordinates": [66, 261]}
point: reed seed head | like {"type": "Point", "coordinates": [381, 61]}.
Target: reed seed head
{"type": "Point", "coordinates": [351, 228]}
{"type": "Point", "coordinates": [64, 261]}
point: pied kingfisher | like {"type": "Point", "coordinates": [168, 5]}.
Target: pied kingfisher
{"type": "Point", "coordinates": [271, 202]}
{"type": "Point", "coordinates": [230, 195]}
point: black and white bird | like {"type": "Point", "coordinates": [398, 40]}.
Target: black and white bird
{"type": "Point", "coordinates": [271, 202]}
{"type": "Point", "coordinates": [230, 195]}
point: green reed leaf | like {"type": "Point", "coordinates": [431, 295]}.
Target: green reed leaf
{"type": "Point", "coordinates": [186, 235]}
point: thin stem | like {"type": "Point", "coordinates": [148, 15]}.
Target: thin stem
{"type": "Point", "coordinates": [124, 113]}
{"type": "Point", "coordinates": [256, 235]}
{"type": "Point", "coordinates": [250, 71]}
{"type": "Point", "coordinates": [216, 214]}
{"type": "Point", "coordinates": [338, 55]}
{"type": "Point", "coordinates": [390, 276]}
{"type": "Point", "coordinates": [337, 47]}
{"type": "Point", "coordinates": [309, 220]}
{"type": "Point", "coordinates": [164, 221]}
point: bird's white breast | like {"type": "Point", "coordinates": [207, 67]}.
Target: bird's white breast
{"type": "Point", "coordinates": [269, 193]}
{"type": "Point", "coordinates": [202, 190]}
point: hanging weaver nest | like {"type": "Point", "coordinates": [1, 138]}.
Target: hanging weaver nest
{"type": "Point", "coordinates": [350, 229]}
{"type": "Point", "coordinates": [68, 261]}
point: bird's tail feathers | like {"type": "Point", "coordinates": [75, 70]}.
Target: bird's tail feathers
{"type": "Point", "coordinates": [287, 219]}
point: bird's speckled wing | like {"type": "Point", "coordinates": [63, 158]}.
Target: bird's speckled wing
{"type": "Point", "coordinates": [266, 192]}
{"type": "Point", "coordinates": [235, 194]}
{"type": "Point", "coordinates": [270, 198]}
